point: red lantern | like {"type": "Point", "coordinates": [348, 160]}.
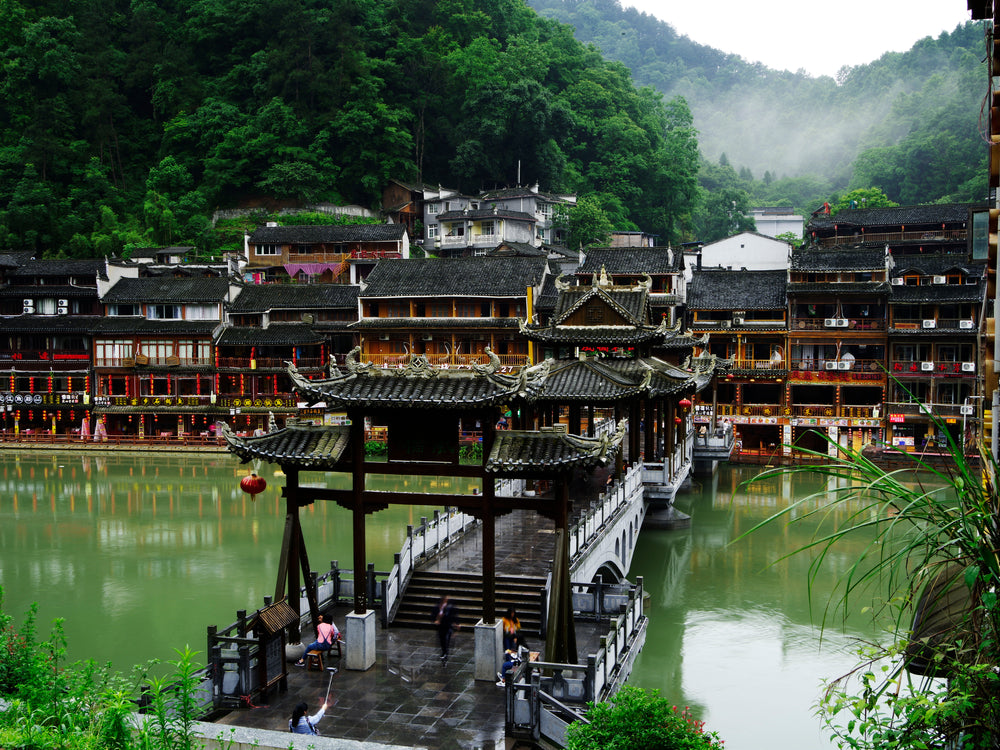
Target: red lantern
{"type": "Point", "coordinates": [677, 420]}
{"type": "Point", "coordinates": [253, 485]}
{"type": "Point", "coordinates": [684, 403]}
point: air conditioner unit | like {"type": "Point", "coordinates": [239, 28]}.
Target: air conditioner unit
{"type": "Point", "coordinates": [843, 365]}
{"type": "Point", "coordinates": [29, 303]}
{"type": "Point", "coordinates": [842, 322]}
{"type": "Point", "coordinates": [63, 303]}
{"type": "Point", "coordinates": [737, 321]}
{"type": "Point", "coordinates": [383, 337]}
{"type": "Point", "coordinates": [62, 310]}
{"type": "Point", "coordinates": [940, 280]}
{"type": "Point", "coordinates": [966, 324]}
{"type": "Point", "coordinates": [927, 367]}
{"type": "Point", "coordinates": [28, 310]}
{"type": "Point", "coordinates": [898, 281]}
{"type": "Point", "coordinates": [930, 323]}
{"type": "Point", "coordinates": [830, 322]}
{"type": "Point", "coordinates": [725, 324]}
{"type": "Point", "coordinates": [427, 337]}
{"type": "Point", "coordinates": [968, 367]}
{"type": "Point", "coordinates": [967, 410]}
{"type": "Point", "coordinates": [831, 365]}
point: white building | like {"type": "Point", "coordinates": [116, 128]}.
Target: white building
{"type": "Point", "coordinates": [774, 221]}
{"type": "Point", "coordinates": [750, 250]}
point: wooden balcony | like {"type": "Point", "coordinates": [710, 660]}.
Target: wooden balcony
{"type": "Point", "coordinates": [272, 363]}
{"type": "Point", "coordinates": [848, 324]}
{"type": "Point", "coordinates": [932, 324]}
{"type": "Point", "coordinates": [882, 238]}
{"type": "Point", "coordinates": [759, 364]}
{"type": "Point", "coordinates": [932, 369]}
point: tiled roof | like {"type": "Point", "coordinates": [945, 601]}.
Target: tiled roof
{"type": "Point", "coordinates": [631, 260]}
{"type": "Point", "coordinates": [34, 291]}
{"type": "Point", "coordinates": [478, 214]}
{"type": "Point", "coordinates": [311, 234]}
{"type": "Point", "coordinates": [266, 297]}
{"type": "Point", "coordinates": [152, 252]}
{"type": "Point", "coordinates": [937, 264]}
{"type": "Point", "coordinates": [417, 385]}
{"type": "Point", "coordinates": [63, 267]}
{"type": "Point", "coordinates": [737, 290]}
{"type": "Point", "coordinates": [893, 217]}
{"type": "Point", "coordinates": [615, 336]}
{"type": "Point", "coordinates": [276, 334]}
{"type": "Point", "coordinates": [838, 288]}
{"type": "Point", "coordinates": [154, 290]}
{"type": "Point", "coordinates": [518, 248]}
{"type": "Point", "coordinates": [630, 302]}
{"type": "Point", "coordinates": [310, 447]}
{"type": "Point", "coordinates": [839, 259]}
{"type": "Point", "coordinates": [521, 192]}
{"type": "Point", "coordinates": [129, 325]}
{"type": "Point", "coordinates": [517, 451]}
{"type": "Point", "coordinates": [461, 277]}
{"type": "Point", "coordinates": [54, 323]}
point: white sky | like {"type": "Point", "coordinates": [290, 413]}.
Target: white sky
{"type": "Point", "coordinates": [819, 38]}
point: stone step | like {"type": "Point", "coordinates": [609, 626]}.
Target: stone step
{"type": "Point", "coordinates": [416, 610]}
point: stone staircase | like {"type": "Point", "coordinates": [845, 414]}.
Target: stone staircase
{"type": "Point", "coordinates": [523, 593]}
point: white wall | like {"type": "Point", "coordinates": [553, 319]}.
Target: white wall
{"type": "Point", "coordinates": [748, 250]}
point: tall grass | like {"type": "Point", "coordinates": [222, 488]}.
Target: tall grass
{"type": "Point", "coordinates": [929, 564]}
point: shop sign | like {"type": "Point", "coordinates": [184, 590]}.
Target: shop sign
{"type": "Point", "coordinates": [897, 418]}
{"type": "Point", "coordinates": [833, 423]}
{"type": "Point", "coordinates": [28, 399]}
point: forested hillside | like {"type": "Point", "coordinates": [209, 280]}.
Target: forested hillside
{"type": "Point", "coordinates": [906, 123]}
{"type": "Point", "coordinates": [129, 121]}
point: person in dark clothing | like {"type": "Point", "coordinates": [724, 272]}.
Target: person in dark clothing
{"type": "Point", "coordinates": [446, 621]}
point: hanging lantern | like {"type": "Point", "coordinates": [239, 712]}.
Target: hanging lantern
{"type": "Point", "coordinates": [677, 420]}
{"type": "Point", "coordinates": [684, 403]}
{"type": "Point", "coordinates": [253, 485]}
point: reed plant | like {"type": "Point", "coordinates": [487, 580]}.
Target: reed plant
{"type": "Point", "coordinates": [928, 568]}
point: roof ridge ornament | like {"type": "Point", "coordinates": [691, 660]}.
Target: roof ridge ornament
{"type": "Point", "coordinates": [354, 367]}
{"type": "Point", "coordinates": [561, 285]}
{"type": "Point", "coordinates": [604, 280]}
{"type": "Point", "coordinates": [420, 367]}
{"type": "Point", "coordinates": [493, 366]}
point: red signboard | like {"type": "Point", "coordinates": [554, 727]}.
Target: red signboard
{"type": "Point", "coordinates": [897, 418]}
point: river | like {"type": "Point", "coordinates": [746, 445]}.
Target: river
{"type": "Point", "coordinates": [139, 552]}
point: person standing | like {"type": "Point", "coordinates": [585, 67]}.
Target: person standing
{"type": "Point", "coordinates": [326, 633]}
{"type": "Point", "coordinates": [446, 621]}
{"type": "Point", "coordinates": [511, 629]}
{"type": "Point", "coordinates": [302, 723]}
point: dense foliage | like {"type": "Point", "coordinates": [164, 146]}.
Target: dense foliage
{"type": "Point", "coordinates": [131, 121]}
{"type": "Point", "coordinates": [49, 704]}
{"type": "Point", "coordinates": [905, 123]}
{"type": "Point", "coordinates": [640, 719]}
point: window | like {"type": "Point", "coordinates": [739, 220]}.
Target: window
{"type": "Point", "coordinates": [123, 309]}
{"type": "Point", "coordinates": [201, 312]}
{"type": "Point", "coordinates": [467, 309]}
{"type": "Point", "coordinates": [595, 315]}
{"type": "Point", "coordinates": [433, 208]}
{"type": "Point", "coordinates": [268, 250]}
{"type": "Point", "coordinates": [163, 312]}
{"type": "Point", "coordinates": [431, 231]}
{"type": "Point", "coordinates": [545, 209]}
{"type": "Point", "coordinates": [456, 230]}
{"type": "Point", "coordinates": [541, 233]}
{"type": "Point", "coordinates": [302, 249]}
{"type": "Point", "coordinates": [438, 310]}
{"type": "Point", "coordinates": [108, 351]}
{"type": "Point", "coordinates": [488, 228]}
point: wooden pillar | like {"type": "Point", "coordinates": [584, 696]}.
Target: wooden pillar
{"type": "Point", "coordinates": [634, 432]}
{"type": "Point", "coordinates": [288, 570]}
{"type": "Point", "coordinates": [715, 403]}
{"type": "Point", "coordinates": [357, 442]}
{"type": "Point", "coordinates": [574, 419]}
{"type": "Point", "coordinates": [590, 420]}
{"type": "Point", "coordinates": [649, 422]}
{"type": "Point", "coordinates": [560, 633]}
{"type": "Point", "coordinates": [671, 432]}
{"type": "Point", "coordinates": [489, 528]}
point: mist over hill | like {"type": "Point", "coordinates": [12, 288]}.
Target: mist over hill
{"type": "Point", "coordinates": [863, 127]}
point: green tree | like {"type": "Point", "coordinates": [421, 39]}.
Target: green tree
{"type": "Point", "coordinates": [872, 197]}
{"type": "Point", "coordinates": [635, 718]}
{"type": "Point", "coordinates": [588, 224]}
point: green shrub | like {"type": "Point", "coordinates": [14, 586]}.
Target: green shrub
{"type": "Point", "coordinates": [640, 719]}
{"type": "Point", "coordinates": [376, 448]}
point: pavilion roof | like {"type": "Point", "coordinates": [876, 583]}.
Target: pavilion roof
{"type": "Point", "coordinates": [516, 451]}
{"type": "Point", "coordinates": [306, 446]}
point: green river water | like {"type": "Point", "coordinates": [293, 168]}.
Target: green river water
{"type": "Point", "coordinates": [139, 552]}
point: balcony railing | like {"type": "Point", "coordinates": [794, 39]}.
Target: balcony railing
{"type": "Point", "coordinates": [141, 360]}
{"type": "Point", "coordinates": [507, 361]}
{"type": "Point", "coordinates": [834, 324]}
{"type": "Point", "coordinates": [930, 324]}
{"type": "Point", "coordinates": [759, 364]}
{"type": "Point", "coordinates": [926, 409]}
{"type": "Point", "coordinates": [760, 410]}
{"type": "Point", "coordinates": [245, 363]}
{"type": "Point", "coordinates": [881, 238]}
{"type": "Point", "coordinates": [932, 368]}
{"type": "Point", "coordinates": [836, 365]}
{"type": "Point", "coordinates": [28, 355]}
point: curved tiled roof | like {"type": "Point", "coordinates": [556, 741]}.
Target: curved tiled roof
{"type": "Point", "coordinates": [276, 334]}
{"type": "Point", "coordinates": [938, 265]}
{"type": "Point", "coordinates": [517, 451]}
{"type": "Point", "coordinates": [936, 293]}
{"type": "Point", "coordinates": [454, 277]}
{"type": "Point", "coordinates": [393, 324]}
{"type": "Point", "coordinates": [712, 289]}
{"type": "Point", "coordinates": [310, 447]}
{"type": "Point", "coordinates": [630, 302]}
